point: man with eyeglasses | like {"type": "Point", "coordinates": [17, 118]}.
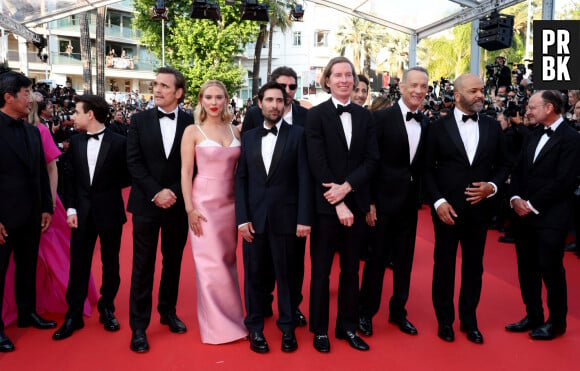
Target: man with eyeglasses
{"type": "Point", "coordinates": [294, 115]}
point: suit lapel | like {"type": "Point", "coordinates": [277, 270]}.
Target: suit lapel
{"type": "Point", "coordinates": [453, 131]}
{"type": "Point", "coordinates": [422, 136]}
{"type": "Point", "coordinates": [402, 129]}
{"type": "Point", "coordinates": [155, 131]}
{"type": "Point", "coordinates": [483, 128]}
{"type": "Point", "coordinates": [554, 139]}
{"type": "Point", "coordinates": [336, 123]}
{"type": "Point", "coordinates": [256, 153]}
{"type": "Point", "coordinates": [279, 147]}
{"type": "Point", "coordinates": [84, 163]}
{"type": "Point", "coordinates": [103, 151]}
{"type": "Point", "coordinates": [532, 147]}
{"type": "Point", "coordinates": [180, 128]}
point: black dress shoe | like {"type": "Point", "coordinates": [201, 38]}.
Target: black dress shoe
{"type": "Point", "coordinates": [352, 338]}
{"type": "Point", "coordinates": [524, 325]}
{"type": "Point", "coordinates": [405, 326]}
{"type": "Point", "coordinates": [365, 326]}
{"type": "Point", "coordinates": [174, 323]}
{"type": "Point", "coordinates": [548, 331]}
{"type": "Point", "coordinates": [473, 334]}
{"type": "Point", "coordinates": [139, 342]}
{"type": "Point", "coordinates": [446, 333]}
{"type": "Point", "coordinates": [299, 318]}
{"type": "Point", "coordinates": [258, 342]}
{"type": "Point", "coordinates": [110, 323]}
{"type": "Point", "coordinates": [5, 343]}
{"type": "Point", "coordinates": [321, 343]}
{"type": "Point", "coordinates": [289, 343]}
{"type": "Point", "coordinates": [36, 321]}
{"type": "Point", "coordinates": [68, 327]}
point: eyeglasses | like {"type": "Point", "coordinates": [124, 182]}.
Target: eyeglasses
{"type": "Point", "coordinates": [290, 86]}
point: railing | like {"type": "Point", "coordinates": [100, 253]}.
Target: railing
{"type": "Point", "coordinates": [67, 24]}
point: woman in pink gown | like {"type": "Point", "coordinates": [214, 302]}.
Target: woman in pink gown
{"type": "Point", "coordinates": [53, 253]}
{"type": "Point", "coordinates": [213, 145]}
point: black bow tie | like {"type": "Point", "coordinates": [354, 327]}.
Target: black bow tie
{"type": "Point", "coordinates": [273, 130]}
{"type": "Point", "coordinates": [341, 109]}
{"type": "Point", "coordinates": [549, 132]}
{"type": "Point", "coordinates": [94, 136]}
{"type": "Point", "coordinates": [170, 115]}
{"type": "Point", "coordinates": [418, 116]}
{"type": "Point", "coordinates": [467, 117]}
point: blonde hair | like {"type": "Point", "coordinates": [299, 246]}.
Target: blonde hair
{"type": "Point", "coordinates": [33, 117]}
{"type": "Point", "coordinates": [200, 115]}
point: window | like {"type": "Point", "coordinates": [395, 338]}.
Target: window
{"type": "Point", "coordinates": [297, 38]}
{"type": "Point", "coordinates": [321, 38]}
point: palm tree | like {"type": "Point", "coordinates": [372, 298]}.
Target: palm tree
{"type": "Point", "coordinates": [278, 18]}
{"type": "Point", "coordinates": [100, 50]}
{"type": "Point", "coordinates": [86, 52]}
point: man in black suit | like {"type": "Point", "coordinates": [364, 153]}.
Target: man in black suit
{"type": "Point", "coordinates": [293, 114]}
{"type": "Point", "coordinates": [542, 187]}
{"type": "Point", "coordinates": [26, 206]}
{"type": "Point", "coordinates": [97, 172]}
{"type": "Point", "coordinates": [154, 161]}
{"type": "Point", "coordinates": [273, 207]}
{"type": "Point", "coordinates": [400, 131]}
{"type": "Point", "coordinates": [343, 154]}
{"type": "Point", "coordinates": [465, 162]}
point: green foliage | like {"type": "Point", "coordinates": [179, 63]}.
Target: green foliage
{"type": "Point", "coordinates": [201, 49]}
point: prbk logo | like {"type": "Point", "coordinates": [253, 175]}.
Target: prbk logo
{"type": "Point", "coordinates": [556, 55]}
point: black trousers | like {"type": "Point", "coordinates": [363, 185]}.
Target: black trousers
{"type": "Point", "coordinates": [275, 251]}
{"type": "Point", "coordinates": [172, 224]}
{"type": "Point", "coordinates": [394, 235]}
{"type": "Point", "coordinates": [540, 254]}
{"type": "Point", "coordinates": [471, 234]}
{"type": "Point", "coordinates": [82, 246]}
{"type": "Point", "coordinates": [328, 236]}
{"type": "Point", "coordinates": [23, 241]}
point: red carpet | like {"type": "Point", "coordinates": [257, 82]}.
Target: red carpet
{"type": "Point", "coordinates": [94, 349]}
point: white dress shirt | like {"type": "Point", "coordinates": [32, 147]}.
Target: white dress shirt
{"type": "Point", "coordinates": [346, 120]}
{"type": "Point", "coordinates": [288, 116]}
{"type": "Point", "coordinates": [168, 128]}
{"type": "Point", "coordinates": [413, 129]}
{"type": "Point", "coordinates": [268, 145]}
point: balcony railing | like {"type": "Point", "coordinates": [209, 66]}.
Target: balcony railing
{"type": "Point", "coordinates": [66, 24]}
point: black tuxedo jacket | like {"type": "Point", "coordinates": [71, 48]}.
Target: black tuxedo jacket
{"type": "Point", "coordinates": [280, 200]}
{"type": "Point", "coordinates": [254, 117]}
{"type": "Point", "coordinates": [331, 161]}
{"type": "Point", "coordinates": [150, 169]}
{"type": "Point", "coordinates": [549, 182]}
{"type": "Point", "coordinates": [102, 199]}
{"type": "Point", "coordinates": [24, 184]}
{"type": "Point", "coordinates": [448, 172]}
{"type": "Point", "coordinates": [396, 178]}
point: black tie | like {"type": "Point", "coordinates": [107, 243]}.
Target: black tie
{"type": "Point", "coordinates": [170, 115]}
{"type": "Point", "coordinates": [341, 109]}
{"type": "Point", "coordinates": [418, 116]}
{"type": "Point", "coordinates": [467, 117]}
{"type": "Point", "coordinates": [549, 132]}
{"type": "Point", "coordinates": [94, 136]}
{"type": "Point", "coordinates": [273, 130]}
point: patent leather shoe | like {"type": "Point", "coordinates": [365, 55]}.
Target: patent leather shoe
{"type": "Point", "coordinates": [352, 338]}
{"type": "Point", "coordinates": [36, 321]}
{"type": "Point", "coordinates": [473, 334]}
{"type": "Point", "coordinates": [404, 325]}
{"type": "Point", "coordinates": [110, 323]}
{"type": "Point", "coordinates": [289, 343]}
{"type": "Point", "coordinates": [5, 343]}
{"type": "Point", "coordinates": [526, 324]}
{"type": "Point", "coordinates": [365, 326]}
{"type": "Point", "coordinates": [446, 333]}
{"type": "Point", "coordinates": [300, 318]}
{"type": "Point", "coordinates": [139, 342]}
{"type": "Point", "coordinates": [174, 323]}
{"type": "Point", "coordinates": [258, 342]}
{"type": "Point", "coordinates": [68, 327]}
{"type": "Point", "coordinates": [321, 343]}
{"type": "Point", "coordinates": [548, 331]}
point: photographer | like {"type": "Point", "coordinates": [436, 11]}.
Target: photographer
{"type": "Point", "coordinates": [503, 73]}
{"type": "Point", "coordinates": [119, 124]}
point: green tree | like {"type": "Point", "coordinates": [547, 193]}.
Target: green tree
{"type": "Point", "coordinates": [278, 18]}
{"type": "Point", "coordinates": [201, 49]}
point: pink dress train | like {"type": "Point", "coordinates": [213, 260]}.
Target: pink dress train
{"type": "Point", "coordinates": [53, 259]}
{"type": "Point", "coordinates": [219, 302]}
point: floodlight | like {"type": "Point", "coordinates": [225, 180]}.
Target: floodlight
{"type": "Point", "coordinates": [253, 11]}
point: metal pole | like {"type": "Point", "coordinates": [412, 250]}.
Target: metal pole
{"type": "Point", "coordinates": [163, 42]}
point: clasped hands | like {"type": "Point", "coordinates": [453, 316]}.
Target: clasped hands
{"type": "Point", "coordinates": [165, 198]}
{"type": "Point", "coordinates": [477, 192]}
{"type": "Point", "coordinates": [334, 195]}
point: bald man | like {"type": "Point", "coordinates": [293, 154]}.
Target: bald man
{"type": "Point", "coordinates": [465, 163]}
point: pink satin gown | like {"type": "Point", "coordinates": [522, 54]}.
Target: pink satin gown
{"type": "Point", "coordinates": [219, 302]}
{"type": "Point", "coordinates": [53, 259]}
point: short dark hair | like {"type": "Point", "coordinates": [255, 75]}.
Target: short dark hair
{"type": "Point", "coordinates": [328, 70]}
{"type": "Point", "coordinates": [95, 103]}
{"type": "Point", "coordinates": [41, 106]}
{"type": "Point", "coordinates": [554, 97]}
{"type": "Point", "coordinates": [11, 82]}
{"type": "Point", "coordinates": [363, 78]}
{"type": "Point", "coordinates": [283, 71]}
{"type": "Point", "coordinates": [179, 80]}
{"type": "Point", "coordinates": [271, 85]}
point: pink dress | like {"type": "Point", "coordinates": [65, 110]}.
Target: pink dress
{"type": "Point", "coordinates": [53, 258]}
{"type": "Point", "coordinates": [219, 302]}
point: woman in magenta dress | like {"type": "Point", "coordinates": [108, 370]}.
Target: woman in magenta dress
{"type": "Point", "coordinates": [54, 250]}
{"type": "Point", "coordinates": [213, 145]}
